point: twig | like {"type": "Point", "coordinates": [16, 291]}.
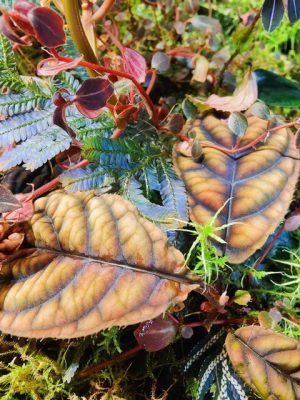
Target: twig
{"type": "Point", "coordinates": [103, 10]}
{"type": "Point", "coordinates": [108, 363]}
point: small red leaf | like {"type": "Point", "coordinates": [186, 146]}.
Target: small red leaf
{"type": "Point", "coordinates": [51, 66]}
{"type": "Point", "coordinates": [23, 7]}
{"type": "Point", "coordinates": [59, 119]}
{"type": "Point", "coordinates": [48, 26]}
{"type": "Point", "coordinates": [19, 14]}
{"type": "Point", "coordinates": [155, 334]}
{"type": "Point", "coordinates": [134, 63]}
{"type": "Point", "coordinates": [292, 223]}
{"type": "Point", "coordinates": [92, 96]}
{"type": "Point", "coordinates": [175, 123]}
{"type": "Point", "coordinates": [7, 28]}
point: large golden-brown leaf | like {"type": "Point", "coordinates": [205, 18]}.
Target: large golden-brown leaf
{"type": "Point", "coordinates": [96, 263]}
{"type": "Point", "coordinates": [257, 184]}
{"type": "Point", "coordinates": [267, 361]}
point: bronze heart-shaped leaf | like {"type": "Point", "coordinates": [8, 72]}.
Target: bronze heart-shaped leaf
{"type": "Point", "coordinates": [94, 263]}
{"type": "Point", "coordinates": [252, 188]}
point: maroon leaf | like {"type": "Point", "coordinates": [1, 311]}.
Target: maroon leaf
{"type": "Point", "coordinates": [92, 96]}
{"type": "Point", "coordinates": [175, 123]}
{"type": "Point", "coordinates": [22, 22]}
{"type": "Point", "coordinates": [134, 63]}
{"type": "Point", "coordinates": [19, 14]}
{"type": "Point", "coordinates": [59, 119]}
{"type": "Point", "coordinates": [48, 26]}
{"type": "Point", "coordinates": [7, 28]}
{"type": "Point", "coordinates": [23, 7]}
{"type": "Point", "coordinates": [51, 66]}
{"type": "Point", "coordinates": [155, 334]}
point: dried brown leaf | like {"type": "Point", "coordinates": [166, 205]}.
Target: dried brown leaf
{"type": "Point", "coordinates": [243, 97]}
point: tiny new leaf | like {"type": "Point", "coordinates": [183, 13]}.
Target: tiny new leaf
{"type": "Point", "coordinates": [95, 263]}
{"type": "Point", "coordinates": [267, 361]}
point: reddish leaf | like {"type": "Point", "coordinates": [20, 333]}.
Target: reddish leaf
{"type": "Point", "coordinates": [134, 63]}
{"type": "Point", "coordinates": [59, 119]}
{"type": "Point", "coordinates": [19, 14]}
{"type": "Point", "coordinates": [155, 334]}
{"type": "Point", "coordinates": [175, 123]}
{"type": "Point", "coordinates": [48, 26]}
{"type": "Point", "coordinates": [23, 7]}
{"type": "Point", "coordinates": [7, 28]}
{"type": "Point", "coordinates": [22, 22]}
{"type": "Point", "coordinates": [51, 66]}
{"type": "Point", "coordinates": [92, 96]}
{"type": "Point", "coordinates": [292, 223]}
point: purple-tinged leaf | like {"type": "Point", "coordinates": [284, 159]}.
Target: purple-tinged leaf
{"type": "Point", "coordinates": [272, 14]}
{"type": "Point", "coordinates": [7, 28]}
{"type": "Point", "coordinates": [8, 201]}
{"type": "Point", "coordinates": [59, 119]}
{"type": "Point", "coordinates": [134, 64]}
{"type": "Point", "coordinates": [292, 223]}
{"type": "Point", "coordinates": [51, 66]}
{"type": "Point", "coordinates": [293, 10]}
{"type": "Point", "coordinates": [22, 22]}
{"type": "Point", "coordinates": [161, 61]}
{"type": "Point", "coordinates": [92, 96]}
{"type": "Point", "coordinates": [175, 123]}
{"type": "Point", "coordinates": [62, 98]}
{"type": "Point", "coordinates": [155, 334]}
{"type": "Point", "coordinates": [48, 26]}
{"type": "Point", "coordinates": [19, 14]}
{"type": "Point", "coordinates": [23, 7]}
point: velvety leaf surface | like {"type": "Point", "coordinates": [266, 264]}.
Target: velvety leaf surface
{"type": "Point", "coordinates": [267, 361]}
{"type": "Point", "coordinates": [272, 14]}
{"type": "Point", "coordinates": [96, 263]}
{"type": "Point", "coordinates": [257, 184]}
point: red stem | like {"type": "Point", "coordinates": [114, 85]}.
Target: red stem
{"type": "Point", "coordinates": [99, 68]}
{"type": "Point", "coordinates": [220, 322]}
{"type": "Point", "coordinates": [54, 182]}
{"type": "Point", "coordinates": [108, 363]}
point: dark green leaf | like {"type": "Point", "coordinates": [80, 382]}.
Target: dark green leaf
{"type": "Point", "coordinates": [294, 10]}
{"type": "Point", "coordinates": [272, 14]}
{"type": "Point", "coordinates": [276, 90]}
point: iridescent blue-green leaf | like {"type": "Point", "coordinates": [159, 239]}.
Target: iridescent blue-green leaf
{"type": "Point", "coordinates": [275, 90]}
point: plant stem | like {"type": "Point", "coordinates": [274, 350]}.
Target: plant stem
{"type": "Point", "coordinates": [72, 14]}
{"type": "Point", "coordinates": [108, 363]}
{"type": "Point", "coordinates": [99, 68]}
{"type": "Point", "coordinates": [54, 182]}
{"type": "Point", "coordinates": [103, 10]}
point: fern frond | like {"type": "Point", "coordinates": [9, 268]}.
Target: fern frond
{"type": "Point", "coordinates": [86, 178]}
{"type": "Point", "coordinates": [154, 212]}
{"type": "Point", "coordinates": [172, 190]}
{"type": "Point", "coordinates": [13, 104]}
{"type": "Point", "coordinates": [67, 81]}
{"type": "Point", "coordinates": [37, 150]}
{"type": "Point", "coordinates": [102, 127]}
{"type": "Point", "coordinates": [9, 76]}
{"type": "Point", "coordinates": [116, 153]}
{"type": "Point", "coordinates": [24, 126]}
